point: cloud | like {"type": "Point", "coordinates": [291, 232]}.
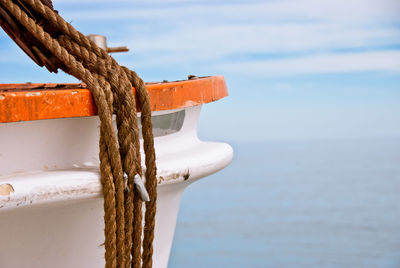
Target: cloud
{"type": "Point", "coordinates": [203, 32]}
{"type": "Point", "coordinates": [386, 61]}
{"type": "Point", "coordinates": [345, 11]}
{"type": "Point", "coordinates": [223, 33]}
{"type": "Point", "coordinates": [225, 40]}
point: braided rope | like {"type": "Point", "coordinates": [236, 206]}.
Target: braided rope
{"type": "Point", "coordinates": [151, 181]}
{"type": "Point", "coordinates": [111, 87]}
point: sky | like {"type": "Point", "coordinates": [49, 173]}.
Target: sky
{"type": "Point", "coordinates": [295, 70]}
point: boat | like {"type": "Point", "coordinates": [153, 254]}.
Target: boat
{"type": "Point", "coordinates": [51, 205]}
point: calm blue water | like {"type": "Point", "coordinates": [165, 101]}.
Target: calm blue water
{"type": "Point", "coordinates": [295, 204]}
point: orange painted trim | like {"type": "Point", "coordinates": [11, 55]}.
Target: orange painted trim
{"type": "Point", "coordinates": [24, 102]}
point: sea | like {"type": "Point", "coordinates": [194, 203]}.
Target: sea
{"type": "Point", "coordinates": [325, 203]}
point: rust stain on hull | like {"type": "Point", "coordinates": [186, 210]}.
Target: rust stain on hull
{"type": "Point", "coordinates": [174, 177]}
{"type": "Point", "coordinates": [6, 189]}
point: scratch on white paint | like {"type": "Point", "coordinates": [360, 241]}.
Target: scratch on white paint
{"type": "Point", "coordinates": [191, 103]}
{"type": "Point", "coordinates": [30, 94]}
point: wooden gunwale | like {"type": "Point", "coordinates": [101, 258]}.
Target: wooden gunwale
{"type": "Point", "coordinates": [25, 102]}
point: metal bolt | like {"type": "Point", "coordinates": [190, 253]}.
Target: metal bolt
{"type": "Point", "coordinates": [192, 77]}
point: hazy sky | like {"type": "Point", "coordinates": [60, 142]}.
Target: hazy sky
{"type": "Point", "coordinates": [294, 69]}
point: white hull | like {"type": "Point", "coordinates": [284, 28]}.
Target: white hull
{"type": "Point", "coordinates": [54, 217]}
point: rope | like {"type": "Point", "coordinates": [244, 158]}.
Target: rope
{"type": "Point", "coordinates": [111, 87]}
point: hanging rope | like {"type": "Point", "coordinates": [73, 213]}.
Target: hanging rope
{"type": "Point", "coordinates": [52, 42]}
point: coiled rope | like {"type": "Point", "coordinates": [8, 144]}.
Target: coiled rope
{"type": "Point", "coordinates": [52, 42]}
